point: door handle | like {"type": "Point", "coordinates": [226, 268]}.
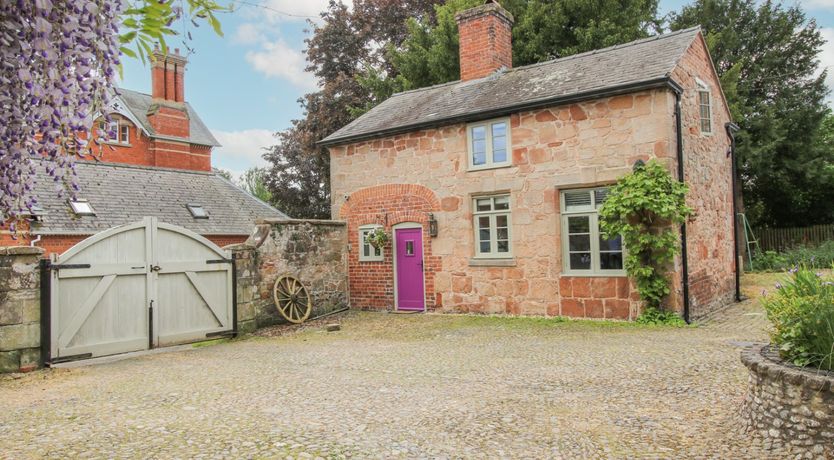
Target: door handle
{"type": "Point", "coordinates": [155, 268]}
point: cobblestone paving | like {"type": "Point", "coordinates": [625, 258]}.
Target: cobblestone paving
{"type": "Point", "coordinates": [387, 386]}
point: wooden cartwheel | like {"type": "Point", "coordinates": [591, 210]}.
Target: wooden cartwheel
{"type": "Point", "coordinates": [292, 299]}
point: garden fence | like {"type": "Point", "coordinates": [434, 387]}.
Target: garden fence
{"type": "Point", "coordinates": [780, 239]}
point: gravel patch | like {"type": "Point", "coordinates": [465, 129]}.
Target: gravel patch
{"type": "Point", "coordinates": [405, 386]}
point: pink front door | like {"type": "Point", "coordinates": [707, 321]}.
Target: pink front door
{"type": "Point", "coordinates": [410, 294]}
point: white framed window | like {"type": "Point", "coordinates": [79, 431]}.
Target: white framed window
{"type": "Point", "coordinates": [489, 144]}
{"type": "Point", "coordinates": [704, 107]}
{"type": "Point", "coordinates": [368, 253]}
{"type": "Point", "coordinates": [82, 208]}
{"type": "Point", "coordinates": [493, 226]}
{"type": "Point", "coordinates": [584, 250]}
{"type": "Point", "coordinates": [114, 132]}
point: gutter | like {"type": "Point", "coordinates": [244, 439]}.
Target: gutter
{"type": "Point", "coordinates": [661, 82]}
{"type": "Point", "coordinates": [682, 179]}
{"type": "Point", "coordinates": [732, 129]}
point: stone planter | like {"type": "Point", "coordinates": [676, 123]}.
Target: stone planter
{"type": "Point", "coordinates": [789, 407]}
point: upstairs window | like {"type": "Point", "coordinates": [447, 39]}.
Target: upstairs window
{"type": "Point", "coordinates": [705, 107]}
{"type": "Point", "coordinates": [368, 253]}
{"type": "Point", "coordinates": [584, 250]}
{"type": "Point", "coordinates": [492, 226]}
{"type": "Point", "coordinates": [489, 144]}
{"type": "Point", "coordinates": [114, 132]}
{"type": "Point", "coordinates": [82, 208]}
{"type": "Point", "coordinates": [197, 211]}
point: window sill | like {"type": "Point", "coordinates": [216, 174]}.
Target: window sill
{"type": "Point", "coordinates": [362, 261]}
{"type": "Point", "coordinates": [476, 262]}
{"type": "Point", "coordinates": [595, 275]}
{"type": "Point", "coordinates": [487, 168]}
{"type": "Point", "coordinates": [117, 144]}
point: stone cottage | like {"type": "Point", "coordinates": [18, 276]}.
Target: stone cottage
{"type": "Point", "coordinates": [489, 186]}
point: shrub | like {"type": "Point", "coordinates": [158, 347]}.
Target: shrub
{"type": "Point", "coordinates": [821, 256]}
{"type": "Point", "coordinates": [656, 316]}
{"type": "Point", "coordinates": [644, 207]}
{"type": "Point", "coordinates": [802, 312]}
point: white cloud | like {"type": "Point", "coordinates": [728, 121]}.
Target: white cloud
{"type": "Point", "coordinates": [277, 59]}
{"type": "Point", "coordinates": [247, 34]}
{"type": "Point", "coordinates": [827, 58]}
{"type": "Point", "coordinates": [811, 4]}
{"type": "Point", "coordinates": [242, 150]}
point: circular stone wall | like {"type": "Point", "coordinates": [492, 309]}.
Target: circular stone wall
{"type": "Point", "coordinates": [790, 407]}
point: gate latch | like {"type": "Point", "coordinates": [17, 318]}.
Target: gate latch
{"type": "Point", "coordinates": [155, 268]}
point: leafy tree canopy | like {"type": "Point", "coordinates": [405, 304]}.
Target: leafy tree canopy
{"type": "Point", "coordinates": [767, 57]}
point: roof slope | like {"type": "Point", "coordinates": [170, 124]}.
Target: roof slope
{"type": "Point", "coordinates": [139, 104]}
{"type": "Point", "coordinates": [646, 61]}
{"type": "Point", "coordinates": [121, 194]}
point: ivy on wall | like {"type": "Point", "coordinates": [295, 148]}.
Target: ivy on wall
{"type": "Point", "coordinates": [644, 207]}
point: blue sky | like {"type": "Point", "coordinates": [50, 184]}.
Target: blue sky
{"type": "Point", "coordinates": [245, 85]}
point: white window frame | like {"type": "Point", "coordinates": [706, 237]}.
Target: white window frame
{"type": "Point", "coordinates": [489, 164]}
{"type": "Point", "coordinates": [592, 212]}
{"type": "Point", "coordinates": [703, 88]}
{"type": "Point", "coordinates": [104, 132]}
{"type": "Point", "coordinates": [77, 207]}
{"type": "Point", "coordinates": [376, 255]}
{"type": "Point", "coordinates": [125, 140]}
{"type": "Point", "coordinates": [493, 237]}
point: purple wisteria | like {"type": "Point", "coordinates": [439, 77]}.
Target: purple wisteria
{"type": "Point", "coordinates": [58, 59]}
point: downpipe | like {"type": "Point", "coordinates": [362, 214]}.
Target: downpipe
{"type": "Point", "coordinates": [682, 179]}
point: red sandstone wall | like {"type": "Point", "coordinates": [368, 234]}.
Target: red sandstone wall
{"type": "Point", "coordinates": [708, 172]}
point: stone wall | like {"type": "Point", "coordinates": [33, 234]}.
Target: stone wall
{"type": "Point", "coordinates": [20, 309]}
{"type": "Point", "coordinates": [314, 251]}
{"type": "Point", "coordinates": [787, 406]}
{"type": "Point", "coordinates": [708, 171]}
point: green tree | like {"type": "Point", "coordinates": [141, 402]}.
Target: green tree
{"type": "Point", "coordinates": [543, 30]}
{"type": "Point", "coordinates": [346, 41]}
{"type": "Point", "coordinates": [766, 55]}
{"type": "Point", "coordinates": [253, 182]}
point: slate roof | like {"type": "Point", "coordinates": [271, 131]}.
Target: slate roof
{"type": "Point", "coordinates": [619, 69]}
{"type": "Point", "coordinates": [121, 194]}
{"type": "Point", "coordinates": [139, 103]}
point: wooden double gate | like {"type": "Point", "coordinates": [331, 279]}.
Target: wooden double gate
{"type": "Point", "coordinates": [136, 287]}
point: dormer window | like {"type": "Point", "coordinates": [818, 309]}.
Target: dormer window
{"type": "Point", "coordinates": [115, 132]}
{"type": "Point", "coordinates": [82, 208]}
{"type": "Point", "coordinates": [197, 211]}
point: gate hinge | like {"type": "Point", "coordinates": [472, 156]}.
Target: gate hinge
{"type": "Point", "coordinates": [220, 261]}
{"type": "Point", "coordinates": [69, 266]}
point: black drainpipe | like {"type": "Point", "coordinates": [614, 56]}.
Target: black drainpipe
{"type": "Point", "coordinates": [732, 128]}
{"type": "Point", "coordinates": [684, 255]}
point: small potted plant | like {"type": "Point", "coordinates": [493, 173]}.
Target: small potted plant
{"type": "Point", "coordinates": [378, 238]}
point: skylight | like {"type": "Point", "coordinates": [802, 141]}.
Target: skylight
{"type": "Point", "coordinates": [82, 208]}
{"type": "Point", "coordinates": [197, 211]}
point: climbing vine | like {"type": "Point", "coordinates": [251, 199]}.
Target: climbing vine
{"type": "Point", "coordinates": [644, 207]}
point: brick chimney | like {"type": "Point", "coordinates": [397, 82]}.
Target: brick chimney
{"type": "Point", "coordinates": [485, 40]}
{"type": "Point", "coordinates": [168, 76]}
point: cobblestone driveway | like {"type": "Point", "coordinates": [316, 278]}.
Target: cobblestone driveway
{"type": "Point", "coordinates": [404, 386]}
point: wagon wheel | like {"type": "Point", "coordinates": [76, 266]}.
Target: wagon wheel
{"type": "Point", "coordinates": [292, 299]}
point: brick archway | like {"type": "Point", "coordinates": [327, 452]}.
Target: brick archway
{"type": "Point", "coordinates": [372, 283]}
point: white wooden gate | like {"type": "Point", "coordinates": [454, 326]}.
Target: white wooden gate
{"type": "Point", "coordinates": [138, 286]}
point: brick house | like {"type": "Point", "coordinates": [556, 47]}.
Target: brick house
{"type": "Point", "coordinates": [489, 186]}
{"type": "Point", "coordinates": [157, 162]}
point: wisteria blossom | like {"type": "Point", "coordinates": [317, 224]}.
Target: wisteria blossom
{"type": "Point", "coordinates": [58, 60]}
